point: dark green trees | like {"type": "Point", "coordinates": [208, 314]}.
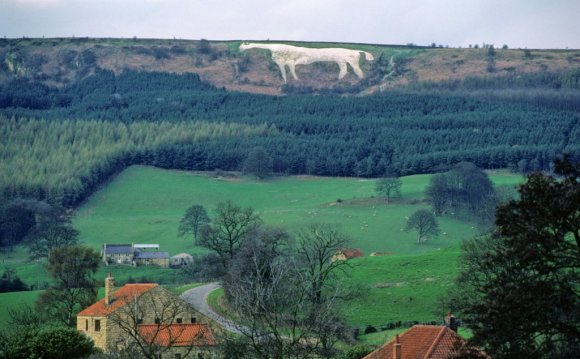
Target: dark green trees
{"type": "Point", "coordinates": [72, 269]}
{"type": "Point", "coordinates": [518, 289]}
{"type": "Point", "coordinates": [46, 343]}
{"type": "Point", "coordinates": [258, 163]}
{"type": "Point", "coordinates": [465, 189]}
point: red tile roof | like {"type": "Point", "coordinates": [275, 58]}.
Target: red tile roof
{"type": "Point", "coordinates": [424, 342]}
{"type": "Point", "coordinates": [120, 298]}
{"type": "Point", "coordinates": [177, 335]}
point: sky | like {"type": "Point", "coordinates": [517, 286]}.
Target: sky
{"type": "Point", "coordinates": [455, 23]}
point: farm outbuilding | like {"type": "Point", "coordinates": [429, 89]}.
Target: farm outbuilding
{"type": "Point", "coordinates": [151, 258]}
{"type": "Point", "coordinates": [181, 260]}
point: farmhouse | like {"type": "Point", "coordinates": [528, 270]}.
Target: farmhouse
{"type": "Point", "coordinates": [117, 253]}
{"type": "Point", "coordinates": [148, 317]}
{"type": "Point", "coordinates": [427, 342]}
{"type": "Point", "coordinates": [134, 254]}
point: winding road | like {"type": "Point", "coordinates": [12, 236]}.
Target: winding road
{"type": "Point", "coordinates": [197, 297]}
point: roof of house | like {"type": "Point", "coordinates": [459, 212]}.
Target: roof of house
{"type": "Point", "coordinates": [151, 255]}
{"type": "Point", "coordinates": [118, 249]}
{"type": "Point", "coordinates": [350, 253]}
{"type": "Point", "coordinates": [177, 335]}
{"type": "Point", "coordinates": [120, 298]}
{"type": "Point", "coordinates": [146, 246]}
{"type": "Point", "coordinates": [424, 342]}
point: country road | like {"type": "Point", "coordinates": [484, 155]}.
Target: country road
{"type": "Point", "coordinates": [197, 297]}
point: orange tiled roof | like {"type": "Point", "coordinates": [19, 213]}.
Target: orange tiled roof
{"type": "Point", "coordinates": [423, 342]}
{"type": "Point", "coordinates": [120, 298]}
{"type": "Point", "coordinates": [177, 335]}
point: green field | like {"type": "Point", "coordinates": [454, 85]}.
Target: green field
{"type": "Point", "coordinates": [145, 204]}
{"type": "Point", "coordinates": [15, 300]}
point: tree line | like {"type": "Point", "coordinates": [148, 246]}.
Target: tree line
{"type": "Point", "coordinates": [154, 119]}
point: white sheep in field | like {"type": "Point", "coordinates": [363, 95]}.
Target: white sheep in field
{"type": "Point", "coordinates": [288, 55]}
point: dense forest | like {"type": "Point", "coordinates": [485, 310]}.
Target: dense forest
{"type": "Point", "coordinates": [58, 144]}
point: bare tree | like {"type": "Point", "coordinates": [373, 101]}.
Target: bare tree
{"type": "Point", "coordinates": [230, 226]}
{"type": "Point", "coordinates": [283, 295]}
{"type": "Point", "coordinates": [267, 294]}
{"type": "Point", "coordinates": [316, 246]}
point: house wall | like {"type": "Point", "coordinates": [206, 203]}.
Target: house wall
{"type": "Point", "coordinates": [87, 325]}
{"type": "Point", "coordinates": [158, 303]}
{"type": "Point", "coordinates": [119, 258]}
{"type": "Point", "coordinates": [161, 262]}
{"type": "Point", "coordinates": [195, 353]}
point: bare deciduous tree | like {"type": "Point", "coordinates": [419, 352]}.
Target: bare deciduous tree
{"type": "Point", "coordinates": [230, 226]}
{"type": "Point", "coordinates": [284, 297]}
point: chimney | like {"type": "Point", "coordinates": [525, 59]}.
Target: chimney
{"type": "Point", "coordinates": [451, 322]}
{"type": "Point", "coordinates": [109, 289]}
{"type": "Point", "coordinates": [397, 352]}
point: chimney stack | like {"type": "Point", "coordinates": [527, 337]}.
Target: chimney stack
{"type": "Point", "coordinates": [109, 289]}
{"type": "Point", "coordinates": [451, 322]}
{"type": "Point", "coordinates": [397, 352]}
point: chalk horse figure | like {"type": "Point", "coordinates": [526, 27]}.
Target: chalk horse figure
{"type": "Point", "coordinates": [288, 55]}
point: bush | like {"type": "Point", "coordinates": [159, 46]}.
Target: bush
{"type": "Point", "coordinates": [356, 352]}
{"type": "Point", "coordinates": [370, 329]}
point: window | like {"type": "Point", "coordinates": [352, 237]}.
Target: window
{"type": "Point", "coordinates": [97, 325]}
{"type": "Point", "coordinates": [193, 320]}
{"type": "Point", "coordinates": [177, 356]}
{"type": "Point", "coordinates": [157, 321]}
{"type": "Point", "coordinates": [178, 320]}
{"type": "Point", "coordinates": [86, 325]}
{"type": "Point", "coordinates": [139, 320]}
{"type": "Point", "coordinates": [199, 356]}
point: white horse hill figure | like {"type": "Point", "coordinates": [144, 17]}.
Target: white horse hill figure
{"type": "Point", "coordinates": [288, 55]}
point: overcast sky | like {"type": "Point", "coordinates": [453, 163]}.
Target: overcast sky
{"type": "Point", "coordinates": [517, 23]}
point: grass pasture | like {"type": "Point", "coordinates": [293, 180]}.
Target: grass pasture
{"type": "Point", "coordinates": [15, 300]}
{"type": "Point", "coordinates": [144, 205]}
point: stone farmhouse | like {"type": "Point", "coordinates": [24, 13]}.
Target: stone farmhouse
{"type": "Point", "coordinates": [134, 254]}
{"type": "Point", "coordinates": [147, 318]}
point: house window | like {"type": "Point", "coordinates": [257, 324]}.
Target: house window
{"type": "Point", "coordinates": [97, 325]}
{"type": "Point", "coordinates": [199, 356]}
{"type": "Point", "coordinates": [139, 320]}
{"type": "Point", "coordinates": [157, 321]}
{"type": "Point", "coordinates": [178, 320]}
{"type": "Point", "coordinates": [177, 356]}
{"type": "Point", "coordinates": [193, 320]}
{"type": "Point", "coordinates": [86, 325]}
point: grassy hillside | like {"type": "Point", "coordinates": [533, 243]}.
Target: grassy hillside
{"type": "Point", "coordinates": [60, 61]}
{"type": "Point", "coordinates": [145, 204]}
{"type": "Point", "coordinates": [15, 300]}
